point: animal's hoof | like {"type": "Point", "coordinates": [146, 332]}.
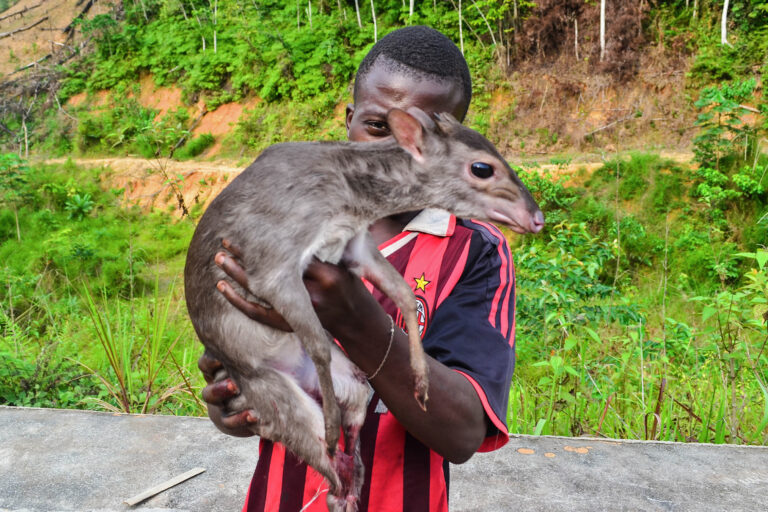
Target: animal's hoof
{"type": "Point", "coordinates": [351, 505]}
{"type": "Point", "coordinates": [342, 504]}
{"type": "Point", "coordinates": [420, 387]}
{"type": "Point", "coordinates": [344, 465]}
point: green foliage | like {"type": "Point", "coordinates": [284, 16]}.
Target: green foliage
{"type": "Point", "coordinates": [550, 193]}
{"type": "Point", "coordinates": [79, 206]}
{"type": "Point", "coordinates": [194, 147]}
{"type": "Point", "coordinates": [721, 126]}
{"type": "Point", "coordinates": [7, 4]}
{"type": "Point", "coordinates": [74, 232]}
{"type": "Point", "coordinates": [138, 353]}
{"type": "Point", "coordinates": [130, 127]}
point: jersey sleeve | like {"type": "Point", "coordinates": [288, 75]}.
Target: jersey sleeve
{"type": "Point", "coordinates": [473, 329]}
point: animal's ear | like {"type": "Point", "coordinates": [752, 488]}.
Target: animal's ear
{"type": "Point", "coordinates": [407, 131]}
{"type": "Point", "coordinates": [446, 122]}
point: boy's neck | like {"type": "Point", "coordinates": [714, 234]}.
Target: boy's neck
{"type": "Point", "coordinates": [389, 227]}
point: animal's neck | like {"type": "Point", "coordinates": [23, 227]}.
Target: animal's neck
{"type": "Point", "coordinates": [385, 180]}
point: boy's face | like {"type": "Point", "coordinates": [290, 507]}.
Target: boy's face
{"type": "Point", "coordinates": [382, 90]}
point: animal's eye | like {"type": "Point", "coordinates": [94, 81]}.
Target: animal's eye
{"type": "Point", "coordinates": [482, 170]}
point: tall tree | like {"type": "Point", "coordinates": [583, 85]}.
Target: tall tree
{"type": "Point", "coordinates": [602, 30]}
{"type": "Point", "coordinates": [357, 11]}
{"type": "Point", "coordinates": [375, 26]}
{"type": "Point", "coordinates": [724, 25]}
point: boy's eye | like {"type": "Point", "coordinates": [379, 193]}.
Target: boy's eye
{"type": "Point", "coordinates": [377, 128]}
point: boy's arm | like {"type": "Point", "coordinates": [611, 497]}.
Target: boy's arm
{"type": "Point", "coordinates": [454, 424]}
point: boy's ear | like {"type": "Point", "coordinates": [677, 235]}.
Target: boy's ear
{"type": "Point", "coordinates": [348, 118]}
{"type": "Point", "coordinates": [408, 132]}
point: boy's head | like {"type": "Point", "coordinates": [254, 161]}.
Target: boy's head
{"type": "Point", "coordinates": [413, 66]}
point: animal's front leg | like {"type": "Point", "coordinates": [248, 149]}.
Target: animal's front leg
{"type": "Point", "coordinates": [364, 259]}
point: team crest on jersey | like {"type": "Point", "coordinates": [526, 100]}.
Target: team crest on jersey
{"type": "Point", "coordinates": [422, 316]}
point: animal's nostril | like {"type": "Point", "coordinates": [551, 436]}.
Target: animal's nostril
{"type": "Point", "coordinates": [482, 170]}
{"type": "Point", "coordinates": [538, 218]}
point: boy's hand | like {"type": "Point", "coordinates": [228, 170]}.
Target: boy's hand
{"type": "Point", "coordinates": [217, 393]}
{"type": "Point", "coordinates": [338, 296]}
{"type": "Point", "coordinates": [228, 262]}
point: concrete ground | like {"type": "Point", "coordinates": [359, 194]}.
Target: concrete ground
{"type": "Point", "coordinates": [56, 460]}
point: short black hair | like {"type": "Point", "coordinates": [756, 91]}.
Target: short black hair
{"type": "Point", "coordinates": [420, 52]}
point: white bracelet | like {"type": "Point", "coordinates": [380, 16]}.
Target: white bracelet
{"type": "Point", "coordinates": [389, 347]}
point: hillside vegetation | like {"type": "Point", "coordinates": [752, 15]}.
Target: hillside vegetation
{"type": "Point", "coordinates": [642, 307]}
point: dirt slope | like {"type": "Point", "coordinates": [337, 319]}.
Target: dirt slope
{"type": "Point", "coordinates": [157, 184]}
{"type": "Point", "coordinates": [50, 19]}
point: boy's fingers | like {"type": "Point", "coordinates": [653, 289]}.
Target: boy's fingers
{"type": "Point", "coordinates": [208, 366]}
{"type": "Point", "coordinates": [235, 250]}
{"type": "Point", "coordinates": [218, 393]}
{"type": "Point", "coordinates": [239, 420]}
{"type": "Point", "coordinates": [257, 312]}
{"type": "Point", "coordinates": [232, 268]}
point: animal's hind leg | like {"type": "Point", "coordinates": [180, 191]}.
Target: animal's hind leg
{"type": "Point", "coordinates": [352, 391]}
{"type": "Point", "coordinates": [288, 415]}
{"type": "Point", "coordinates": [296, 307]}
{"type": "Point", "coordinates": [364, 259]}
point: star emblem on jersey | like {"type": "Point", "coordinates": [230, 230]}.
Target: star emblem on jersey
{"type": "Point", "coordinates": [421, 282]}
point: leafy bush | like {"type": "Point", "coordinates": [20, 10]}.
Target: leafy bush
{"type": "Point", "coordinates": [194, 147]}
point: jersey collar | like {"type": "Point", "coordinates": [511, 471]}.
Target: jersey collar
{"type": "Point", "coordinates": [432, 221]}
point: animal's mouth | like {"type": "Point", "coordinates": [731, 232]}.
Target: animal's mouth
{"type": "Point", "coordinates": [534, 222]}
{"type": "Point", "coordinates": [498, 216]}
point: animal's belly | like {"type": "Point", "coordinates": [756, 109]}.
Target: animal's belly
{"type": "Point", "coordinates": [332, 239]}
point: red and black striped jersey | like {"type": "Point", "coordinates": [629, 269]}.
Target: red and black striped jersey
{"type": "Point", "coordinates": [463, 277]}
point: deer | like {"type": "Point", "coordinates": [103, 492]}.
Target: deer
{"type": "Point", "coordinates": [303, 200]}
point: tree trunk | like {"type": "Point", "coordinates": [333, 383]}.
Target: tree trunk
{"type": "Point", "coordinates": [724, 25]}
{"type": "Point", "coordinates": [18, 229]}
{"type": "Point", "coordinates": [410, 9]}
{"type": "Point", "coordinates": [215, 16]}
{"type": "Point", "coordinates": [26, 138]}
{"type": "Point", "coordinates": [695, 8]}
{"type": "Point", "coordinates": [309, 12]}
{"type": "Point", "coordinates": [375, 26]}
{"type": "Point", "coordinates": [576, 36]}
{"type": "Point", "coordinates": [298, 15]}
{"type": "Point", "coordinates": [357, 11]}
{"type": "Point", "coordinates": [602, 30]}
{"type": "Point", "coordinates": [144, 10]}
{"type": "Point", "coordinates": [461, 32]}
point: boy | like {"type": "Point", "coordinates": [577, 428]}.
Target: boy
{"type": "Point", "coordinates": [463, 278]}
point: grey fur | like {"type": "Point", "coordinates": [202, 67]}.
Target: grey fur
{"type": "Point", "coordinates": [304, 200]}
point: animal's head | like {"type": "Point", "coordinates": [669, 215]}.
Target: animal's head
{"type": "Point", "coordinates": [466, 173]}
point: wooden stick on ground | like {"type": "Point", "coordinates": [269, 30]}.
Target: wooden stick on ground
{"type": "Point", "coordinates": [21, 12]}
{"type": "Point", "coordinates": [163, 486]}
{"type": "Point", "coordinates": [22, 29]}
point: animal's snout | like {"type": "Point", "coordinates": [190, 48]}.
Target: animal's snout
{"type": "Point", "coordinates": [537, 222]}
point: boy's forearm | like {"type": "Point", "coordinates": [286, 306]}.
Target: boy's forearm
{"type": "Point", "coordinates": [454, 423]}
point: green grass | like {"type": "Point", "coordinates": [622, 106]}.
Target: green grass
{"type": "Point", "coordinates": [91, 315]}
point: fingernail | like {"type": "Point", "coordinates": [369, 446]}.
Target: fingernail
{"type": "Point", "coordinates": [250, 419]}
{"type": "Point", "coordinates": [219, 258]}
{"type": "Point", "coordinates": [221, 285]}
{"type": "Point", "coordinates": [231, 387]}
